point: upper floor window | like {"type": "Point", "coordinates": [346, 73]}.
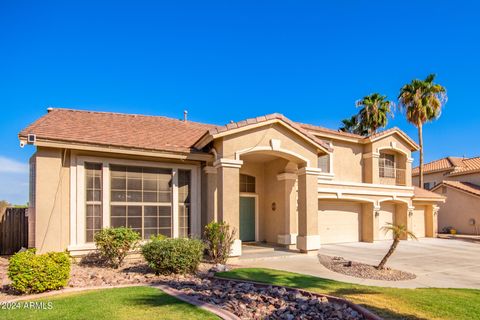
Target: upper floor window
{"type": "Point", "coordinates": [324, 163]}
{"type": "Point", "coordinates": [247, 183]}
{"type": "Point", "coordinates": [387, 165]}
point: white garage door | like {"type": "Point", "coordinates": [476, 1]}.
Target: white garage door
{"type": "Point", "coordinates": [418, 221]}
{"type": "Point", "coordinates": [385, 216]}
{"type": "Point", "coordinates": [339, 221]}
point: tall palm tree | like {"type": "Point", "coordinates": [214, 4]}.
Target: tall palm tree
{"type": "Point", "coordinates": [398, 232]}
{"type": "Point", "coordinates": [352, 125]}
{"type": "Point", "coordinates": [374, 112]}
{"type": "Point", "coordinates": [422, 101]}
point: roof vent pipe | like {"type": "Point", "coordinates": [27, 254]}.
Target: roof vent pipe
{"type": "Point", "coordinates": [185, 114]}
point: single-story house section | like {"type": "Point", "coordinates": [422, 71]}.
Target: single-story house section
{"type": "Point", "coordinates": [272, 179]}
{"type": "Point", "coordinates": [458, 180]}
{"type": "Point", "coordinates": [461, 209]}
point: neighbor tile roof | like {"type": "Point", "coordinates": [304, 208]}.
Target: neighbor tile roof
{"type": "Point", "coordinates": [115, 129]}
{"type": "Point", "coordinates": [296, 126]}
{"type": "Point", "coordinates": [425, 194]}
{"type": "Point", "coordinates": [464, 186]}
{"type": "Point", "coordinates": [455, 165]}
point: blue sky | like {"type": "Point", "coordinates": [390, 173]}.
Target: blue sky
{"type": "Point", "coordinates": [230, 60]}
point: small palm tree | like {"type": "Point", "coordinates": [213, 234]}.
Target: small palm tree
{"type": "Point", "coordinates": [374, 112]}
{"type": "Point", "coordinates": [422, 101]}
{"type": "Point", "coordinates": [398, 232]}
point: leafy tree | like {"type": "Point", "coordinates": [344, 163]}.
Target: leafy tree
{"type": "Point", "coordinates": [422, 101]}
{"type": "Point", "coordinates": [398, 232]}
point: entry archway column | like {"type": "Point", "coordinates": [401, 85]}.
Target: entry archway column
{"type": "Point", "coordinates": [289, 231]}
{"type": "Point", "coordinates": [308, 238]}
{"type": "Point", "coordinates": [228, 197]}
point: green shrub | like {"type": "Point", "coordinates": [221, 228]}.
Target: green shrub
{"type": "Point", "coordinates": [219, 240]}
{"type": "Point", "coordinates": [114, 244]}
{"type": "Point", "coordinates": [173, 255]}
{"type": "Point", "coordinates": [31, 273]}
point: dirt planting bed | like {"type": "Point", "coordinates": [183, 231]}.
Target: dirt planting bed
{"type": "Point", "coordinates": [362, 270]}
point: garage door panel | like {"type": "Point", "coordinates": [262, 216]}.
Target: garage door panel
{"type": "Point", "coordinates": [418, 221]}
{"type": "Point", "coordinates": [385, 216]}
{"type": "Point", "coordinates": [339, 222]}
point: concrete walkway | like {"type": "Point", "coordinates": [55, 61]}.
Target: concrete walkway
{"type": "Point", "coordinates": [442, 263]}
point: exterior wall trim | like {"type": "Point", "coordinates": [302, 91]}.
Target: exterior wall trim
{"type": "Point", "coordinates": [359, 184]}
{"type": "Point", "coordinates": [228, 163]}
{"type": "Point", "coordinates": [239, 153]}
{"type": "Point", "coordinates": [130, 151]}
{"type": "Point", "coordinates": [394, 195]}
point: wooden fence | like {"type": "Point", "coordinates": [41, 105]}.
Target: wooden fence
{"type": "Point", "coordinates": [13, 230]}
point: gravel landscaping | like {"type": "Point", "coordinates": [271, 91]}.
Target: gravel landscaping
{"type": "Point", "coordinates": [246, 300]}
{"type": "Point", "coordinates": [252, 301]}
{"type": "Point", "coordinates": [362, 270]}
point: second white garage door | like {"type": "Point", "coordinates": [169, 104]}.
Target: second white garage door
{"type": "Point", "coordinates": [385, 216]}
{"type": "Point", "coordinates": [339, 221]}
{"type": "Point", "coordinates": [418, 221]}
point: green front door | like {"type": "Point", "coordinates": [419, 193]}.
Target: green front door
{"type": "Point", "coordinates": [247, 218]}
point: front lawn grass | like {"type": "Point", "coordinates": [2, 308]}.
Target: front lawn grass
{"type": "Point", "coordinates": [389, 303]}
{"type": "Point", "coordinates": [116, 304]}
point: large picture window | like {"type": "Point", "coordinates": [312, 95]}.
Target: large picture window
{"type": "Point", "coordinates": [94, 212]}
{"type": "Point", "coordinates": [141, 198]}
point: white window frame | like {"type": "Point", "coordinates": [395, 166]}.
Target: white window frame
{"type": "Point", "coordinates": [77, 195]}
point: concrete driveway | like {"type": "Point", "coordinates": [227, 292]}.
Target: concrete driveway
{"type": "Point", "coordinates": [436, 262]}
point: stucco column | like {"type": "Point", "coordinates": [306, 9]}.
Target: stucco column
{"type": "Point", "coordinates": [228, 197]}
{"type": "Point", "coordinates": [431, 224]}
{"type": "Point", "coordinates": [368, 222]}
{"type": "Point", "coordinates": [211, 194]}
{"type": "Point", "coordinates": [289, 234]}
{"type": "Point", "coordinates": [308, 238]}
{"type": "Point", "coordinates": [408, 172]}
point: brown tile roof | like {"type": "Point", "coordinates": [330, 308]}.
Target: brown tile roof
{"type": "Point", "coordinates": [455, 165]}
{"type": "Point", "coordinates": [391, 130]}
{"type": "Point", "coordinates": [356, 136]}
{"type": "Point", "coordinates": [330, 131]}
{"type": "Point", "coordinates": [464, 186]}
{"type": "Point", "coordinates": [115, 129]}
{"type": "Point", "coordinates": [421, 193]}
{"type": "Point", "coordinates": [274, 116]}
{"type": "Point", "coordinates": [469, 165]}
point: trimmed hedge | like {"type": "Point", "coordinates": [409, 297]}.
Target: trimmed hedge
{"type": "Point", "coordinates": [32, 273]}
{"type": "Point", "coordinates": [169, 255]}
{"type": "Point", "coordinates": [113, 244]}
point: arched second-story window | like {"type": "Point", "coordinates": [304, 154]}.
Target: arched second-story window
{"type": "Point", "coordinates": [247, 183]}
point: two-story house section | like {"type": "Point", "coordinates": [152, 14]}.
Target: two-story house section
{"type": "Point", "coordinates": [457, 179]}
{"type": "Point", "coordinates": [272, 179]}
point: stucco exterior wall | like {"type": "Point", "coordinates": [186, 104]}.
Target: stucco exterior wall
{"type": "Point", "coordinates": [52, 205]}
{"type": "Point", "coordinates": [347, 161]}
{"type": "Point", "coordinates": [261, 137]}
{"type": "Point", "coordinates": [457, 210]}
{"type": "Point", "coordinates": [433, 178]}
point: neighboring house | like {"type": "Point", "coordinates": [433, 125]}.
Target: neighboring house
{"type": "Point", "coordinates": [458, 179]}
{"type": "Point", "coordinates": [270, 178]}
